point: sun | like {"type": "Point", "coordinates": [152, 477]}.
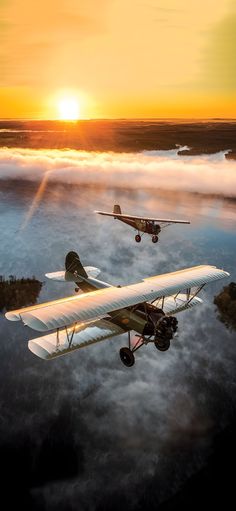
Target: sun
{"type": "Point", "coordinates": [68, 108]}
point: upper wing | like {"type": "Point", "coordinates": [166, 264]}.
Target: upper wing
{"type": "Point", "coordinates": [51, 346]}
{"type": "Point", "coordinates": [96, 304]}
{"type": "Point", "coordinates": [146, 219]}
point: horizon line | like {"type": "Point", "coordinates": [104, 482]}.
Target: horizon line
{"type": "Point", "coordinates": [74, 121]}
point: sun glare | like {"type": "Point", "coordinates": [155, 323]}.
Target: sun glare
{"type": "Point", "coordinates": [68, 109]}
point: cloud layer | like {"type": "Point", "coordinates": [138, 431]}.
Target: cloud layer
{"type": "Point", "coordinates": [151, 169]}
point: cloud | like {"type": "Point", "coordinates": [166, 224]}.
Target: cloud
{"type": "Point", "coordinates": [151, 169]}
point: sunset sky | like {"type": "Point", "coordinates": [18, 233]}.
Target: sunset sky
{"type": "Point", "coordinates": [118, 58]}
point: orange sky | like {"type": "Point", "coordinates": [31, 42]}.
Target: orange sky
{"type": "Point", "coordinates": [119, 58]}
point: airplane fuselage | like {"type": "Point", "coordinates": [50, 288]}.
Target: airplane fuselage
{"type": "Point", "coordinates": [124, 318]}
{"type": "Point", "coordinates": [142, 225]}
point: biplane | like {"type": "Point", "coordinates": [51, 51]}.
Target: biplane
{"type": "Point", "coordinates": [151, 226]}
{"type": "Point", "coordinates": [102, 311]}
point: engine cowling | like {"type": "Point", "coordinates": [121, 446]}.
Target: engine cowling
{"type": "Point", "coordinates": [160, 326]}
{"type": "Point", "coordinates": [166, 328]}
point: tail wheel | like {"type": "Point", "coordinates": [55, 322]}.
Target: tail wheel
{"type": "Point", "coordinates": [155, 238]}
{"type": "Point", "coordinates": [162, 344]}
{"type": "Point", "coordinates": [138, 238]}
{"type": "Point", "coordinates": [127, 357]}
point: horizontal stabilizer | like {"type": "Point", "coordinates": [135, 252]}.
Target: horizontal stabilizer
{"type": "Point", "coordinates": [62, 276]}
{"type": "Point", "coordinates": [51, 346]}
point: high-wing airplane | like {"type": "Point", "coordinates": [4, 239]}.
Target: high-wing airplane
{"type": "Point", "coordinates": [142, 224]}
{"type": "Point", "coordinates": [103, 311]}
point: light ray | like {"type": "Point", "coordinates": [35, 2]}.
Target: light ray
{"type": "Point", "coordinates": [36, 201]}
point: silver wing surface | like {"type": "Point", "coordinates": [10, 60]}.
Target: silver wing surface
{"type": "Point", "coordinates": [71, 339]}
{"type": "Point", "coordinates": [146, 219]}
{"type": "Point", "coordinates": [96, 304]}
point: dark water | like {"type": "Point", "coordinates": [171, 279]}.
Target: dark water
{"type": "Point", "coordinates": [83, 432]}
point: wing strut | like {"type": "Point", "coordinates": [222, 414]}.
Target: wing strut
{"type": "Point", "coordinates": [188, 296]}
{"type": "Point", "coordinates": [69, 335]}
{"type": "Point", "coordinates": [58, 340]}
{"type": "Point", "coordinates": [195, 294]}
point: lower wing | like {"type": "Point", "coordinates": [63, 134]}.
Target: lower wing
{"type": "Point", "coordinates": [71, 339]}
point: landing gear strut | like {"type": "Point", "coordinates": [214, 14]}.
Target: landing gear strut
{"type": "Point", "coordinates": [127, 354]}
{"type": "Point", "coordinates": [138, 238]}
{"type": "Point", "coordinates": [154, 238]}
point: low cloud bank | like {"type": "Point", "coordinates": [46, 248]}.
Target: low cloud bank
{"type": "Point", "coordinates": [149, 169]}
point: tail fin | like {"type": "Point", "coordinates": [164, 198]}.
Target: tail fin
{"type": "Point", "coordinates": [116, 209]}
{"type": "Point", "coordinates": [73, 265]}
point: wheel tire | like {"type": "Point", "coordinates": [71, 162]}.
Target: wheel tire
{"type": "Point", "coordinates": [162, 344]}
{"type": "Point", "coordinates": [127, 357]}
{"type": "Point", "coordinates": [138, 238]}
{"type": "Point", "coordinates": [155, 239]}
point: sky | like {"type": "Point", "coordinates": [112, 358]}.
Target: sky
{"type": "Point", "coordinates": [118, 58]}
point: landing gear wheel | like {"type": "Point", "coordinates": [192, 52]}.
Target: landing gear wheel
{"type": "Point", "coordinates": [162, 344]}
{"type": "Point", "coordinates": [138, 238]}
{"type": "Point", "coordinates": [127, 357]}
{"type": "Point", "coordinates": [154, 238]}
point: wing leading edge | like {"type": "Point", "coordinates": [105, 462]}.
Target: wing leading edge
{"type": "Point", "coordinates": [96, 304]}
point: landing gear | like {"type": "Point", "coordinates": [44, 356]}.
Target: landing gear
{"type": "Point", "coordinates": [127, 354]}
{"type": "Point", "coordinates": [127, 357]}
{"type": "Point", "coordinates": [138, 238]}
{"type": "Point", "coordinates": [154, 238]}
{"type": "Point", "coordinates": [159, 329]}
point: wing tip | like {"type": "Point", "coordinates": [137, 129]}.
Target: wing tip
{"type": "Point", "coordinates": [226, 273]}
{"type": "Point", "coordinates": [49, 276]}
{"type": "Point", "coordinates": [12, 316]}
{"type": "Point", "coordinates": [38, 350]}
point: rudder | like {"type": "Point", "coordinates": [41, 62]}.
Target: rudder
{"type": "Point", "coordinates": [117, 209]}
{"type": "Point", "coordinates": [73, 265]}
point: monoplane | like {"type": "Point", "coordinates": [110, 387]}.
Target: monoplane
{"type": "Point", "coordinates": [102, 311]}
{"type": "Point", "coordinates": [142, 224]}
